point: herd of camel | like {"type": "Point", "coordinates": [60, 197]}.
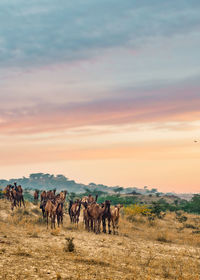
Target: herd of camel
{"type": "Point", "coordinates": [52, 206]}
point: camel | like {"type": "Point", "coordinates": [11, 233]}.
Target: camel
{"type": "Point", "coordinates": [87, 220]}
{"type": "Point", "coordinates": [63, 195]}
{"type": "Point", "coordinates": [69, 209]}
{"type": "Point", "coordinates": [20, 196]}
{"type": "Point", "coordinates": [115, 217]}
{"type": "Point", "coordinates": [95, 212]}
{"type": "Point", "coordinates": [43, 196]}
{"type": "Point", "coordinates": [106, 216]}
{"type": "Point", "coordinates": [13, 198]}
{"type": "Point", "coordinates": [50, 210]}
{"type": "Point", "coordinates": [36, 195]}
{"type": "Point", "coordinates": [75, 211]}
{"type": "Point", "coordinates": [51, 194]}
{"type": "Point", "coordinates": [7, 191]}
{"type": "Point", "coordinates": [89, 199]}
{"type": "Point", "coordinates": [59, 213]}
{"type": "Point", "coordinates": [42, 206]}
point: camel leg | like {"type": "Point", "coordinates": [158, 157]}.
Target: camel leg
{"type": "Point", "coordinates": [113, 225]}
{"type": "Point", "coordinates": [23, 201]}
{"type": "Point", "coordinates": [92, 225]}
{"type": "Point", "coordinates": [104, 224]}
{"type": "Point", "coordinates": [98, 225]}
{"type": "Point", "coordinates": [58, 220]}
{"type": "Point", "coordinates": [109, 231]}
{"type": "Point", "coordinates": [47, 214]}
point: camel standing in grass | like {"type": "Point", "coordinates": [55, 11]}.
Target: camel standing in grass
{"type": "Point", "coordinates": [106, 217]}
{"type": "Point", "coordinates": [87, 220]}
{"type": "Point", "coordinates": [7, 191]}
{"type": "Point", "coordinates": [75, 211]}
{"type": "Point", "coordinates": [115, 218]}
{"type": "Point", "coordinates": [43, 196]}
{"type": "Point", "coordinates": [59, 213]}
{"type": "Point", "coordinates": [42, 206]}
{"type": "Point", "coordinates": [95, 212]}
{"type": "Point", "coordinates": [63, 195]}
{"type": "Point", "coordinates": [20, 196]}
{"type": "Point", "coordinates": [50, 210]}
{"type": "Point", "coordinates": [13, 198]}
{"type": "Point", "coordinates": [51, 194]}
{"type": "Point", "coordinates": [36, 195]}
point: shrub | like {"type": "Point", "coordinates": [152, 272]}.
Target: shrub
{"type": "Point", "coordinates": [162, 237]}
{"type": "Point", "coordinates": [137, 209]}
{"type": "Point", "coordinates": [69, 246]}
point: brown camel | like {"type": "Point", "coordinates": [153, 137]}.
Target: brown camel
{"type": "Point", "coordinates": [59, 212]}
{"type": "Point", "coordinates": [42, 206]}
{"type": "Point", "coordinates": [20, 196]}
{"type": "Point", "coordinates": [36, 195]}
{"type": "Point", "coordinates": [63, 195]}
{"type": "Point", "coordinates": [50, 210]}
{"type": "Point", "coordinates": [115, 218]}
{"type": "Point", "coordinates": [13, 198]}
{"type": "Point", "coordinates": [75, 211]}
{"type": "Point", "coordinates": [89, 199]}
{"type": "Point", "coordinates": [87, 220]}
{"type": "Point", "coordinates": [51, 195]}
{"type": "Point", "coordinates": [7, 191]}
{"type": "Point", "coordinates": [43, 196]}
{"type": "Point", "coordinates": [95, 212]}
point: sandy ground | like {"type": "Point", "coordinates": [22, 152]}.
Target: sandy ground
{"type": "Point", "coordinates": [29, 251]}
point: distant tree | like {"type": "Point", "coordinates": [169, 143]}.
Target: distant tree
{"type": "Point", "coordinates": [92, 184]}
{"type": "Point", "coordinates": [118, 190]}
{"type": "Point", "coordinates": [36, 176]}
{"type": "Point", "coordinates": [154, 190]}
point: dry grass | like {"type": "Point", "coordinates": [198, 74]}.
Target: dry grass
{"type": "Point", "coordinates": [165, 249]}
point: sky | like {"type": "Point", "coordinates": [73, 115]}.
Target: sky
{"type": "Point", "coordinates": [101, 91]}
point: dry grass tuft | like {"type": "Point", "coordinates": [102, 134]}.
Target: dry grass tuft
{"type": "Point", "coordinates": [55, 231]}
{"type": "Point", "coordinates": [21, 252]}
{"type": "Point", "coordinates": [162, 237]}
{"type": "Point", "coordinates": [69, 246]}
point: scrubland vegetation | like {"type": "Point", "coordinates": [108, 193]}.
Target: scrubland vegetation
{"type": "Point", "coordinates": [149, 246]}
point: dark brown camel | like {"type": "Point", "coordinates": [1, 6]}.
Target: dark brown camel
{"type": "Point", "coordinates": [36, 195]}
{"type": "Point", "coordinates": [59, 213]}
{"type": "Point", "coordinates": [51, 195]}
{"type": "Point", "coordinates": [75, 211]}
{"type": "Point", "coordinates": [20, 196]}
{"type": "Point", "coordinates": [106, 217]}
{"type": "Point", "coordinates": [42, 206]}
{"type": "Point", "coordinates": [43, 196]}
{"type": "Point", "coordinates": [95, 212]}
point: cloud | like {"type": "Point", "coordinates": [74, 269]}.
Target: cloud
{"type": "Point", "coordinates": [160, 105]}
{"type": "Point", "coordinates": [42, 32]}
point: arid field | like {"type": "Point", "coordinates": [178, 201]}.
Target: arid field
{"type": "Point", "coordinates": [161, 249]}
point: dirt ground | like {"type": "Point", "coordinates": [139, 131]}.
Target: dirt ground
{"type": "Point", "coordinates": [164, 249]}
